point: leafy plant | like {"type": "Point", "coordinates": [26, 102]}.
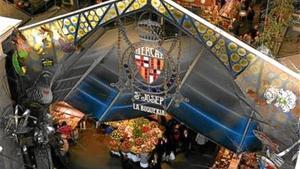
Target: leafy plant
{"type": "Point", "coordinates": [277, 20]}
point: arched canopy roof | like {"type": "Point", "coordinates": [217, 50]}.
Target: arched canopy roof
{"type": "Point", "coordinates": [252, 70]}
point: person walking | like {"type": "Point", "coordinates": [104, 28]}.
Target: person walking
{"type": "Point", "coordinates": [186, 142]}
{"type": "Point", "coordinates": [155, 161]}
{"type": "Point", "coordinates": [66, 130]}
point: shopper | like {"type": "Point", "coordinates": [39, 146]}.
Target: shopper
{"type": "Point", "coordinates": [155, 161]}
{"type": "Point", "coordinates": [59, 158]}
{"type": "Point", "coordinates": [176, 137]}
{"type": "Point", "coordinates": [186, 142]}
{"type": "Point", "coordinates": [66, 130]}
{"type": "Point", "coordinates": [162, 147]}
{"type": "Point", "coordinates": [126, 163]}
{"type": "Point", "coordinates": [234, 26]}
{"type": "Point", "coordinates": [250, 16]}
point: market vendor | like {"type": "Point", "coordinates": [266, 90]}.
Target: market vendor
{"type": "Point", "coordinates": [66, 130]}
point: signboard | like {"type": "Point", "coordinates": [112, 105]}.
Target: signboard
{"type": "Point", "coordinates": [157, 101]}
{"type": "Point", "coordinates": [149, 65]}
{"type": "Point", "coordinates": [149, 72]}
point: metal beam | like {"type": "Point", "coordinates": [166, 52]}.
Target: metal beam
{"type": "Point", "coordinates": [188, 72]}
{"type": "Point", "coordinates": [82, 66]}
{"type": "Point", "coordinates": [110, 105]}
{"type": "Point", "coordinates": [61, 90]}
{"type": "Point", "coordinates": [70, 78]}
{"type": "Point", "coordinates": [234, 39]}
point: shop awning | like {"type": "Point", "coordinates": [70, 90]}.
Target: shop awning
{"type": "Point", "coordinates": [62, 111]}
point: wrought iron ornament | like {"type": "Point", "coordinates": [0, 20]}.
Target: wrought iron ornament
{"type": "Point", "coordinates": [147, 70]}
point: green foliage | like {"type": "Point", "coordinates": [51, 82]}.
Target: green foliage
{"type": "Point", "coordinates": [137, 132]}
{"type": "Point", "coordinates": [278, 19]}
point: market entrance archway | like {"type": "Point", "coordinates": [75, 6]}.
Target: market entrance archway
{"type": "Point", "coordinates": [232, 57]}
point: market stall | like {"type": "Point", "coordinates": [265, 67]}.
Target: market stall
{"type": "Point", "coordinates": [230, 160]}
{"type": "Point", "coordinates": [226, 159]}
{"type": "Point", "coordinates": [219, 15]}
{"type": "Point", "coordinates": [62, 111]}
{"type": "Point", "coordinates": [136, 138]}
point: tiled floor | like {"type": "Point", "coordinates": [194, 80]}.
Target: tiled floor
{"type": "Point", "coordinates": [91, 152]}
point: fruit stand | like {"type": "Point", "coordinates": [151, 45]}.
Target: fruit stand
{"type": "Point", "coordinates": [136, 138]}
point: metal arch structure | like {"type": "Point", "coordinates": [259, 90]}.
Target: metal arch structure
{"type": "Point", "coordinates": [249, 67]}
{"type": "Point", "coordinates": [232, 52]}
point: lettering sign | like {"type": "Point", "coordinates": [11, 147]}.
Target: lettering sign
{"type": "Point", "coordinates": [150, 64]}
{"type": "Point", "coordinates": [147, 99]}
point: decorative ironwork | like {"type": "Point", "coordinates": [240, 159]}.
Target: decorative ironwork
{"type": "Point", "coordinates": [146, 69]}
{"type": "Point", "coordinates": [149, 30]}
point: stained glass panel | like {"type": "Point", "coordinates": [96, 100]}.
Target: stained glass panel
{"type": "Point", "coordinates": [92, 17]}
{"type": "Point", "coordinates": [84, 27]}
{"type": "Point", "coordinates": [110, 14]}
{"type": "Point", "coordinates": [123, 5]}
{"type": "Point", "coordinates": [188, 25]}
{"type": "Point", "coordinates": [219, 49]}
{"type": "Point", "coordinates": [160, 8]}
{"type": "Point", "coordinates": [239, 57]}
{"type": "Point", "coordinates": [233, 56]}
{"type": "Point", "coordinates": [69, 26]}
{"type": "Point", "coordinates": [137, 4]}
{"type": "Point", "coordinates": [177, 15]}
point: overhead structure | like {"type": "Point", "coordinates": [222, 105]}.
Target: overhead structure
{"type": "Point", "coordinates": [225, 85]}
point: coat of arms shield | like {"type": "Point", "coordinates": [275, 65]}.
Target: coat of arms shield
{"type": "Point", "coordinates": [149, 67]}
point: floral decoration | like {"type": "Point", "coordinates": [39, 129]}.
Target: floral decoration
{"type": "Point", "coordinates": [285, 99]}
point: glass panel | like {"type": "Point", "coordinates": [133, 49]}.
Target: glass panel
{"type": "Point", "coordinates": [47, 41]}
{"type": "Point", "coordinates": [227, 51]}
{"type": "Point", "coordinates": [220, 51]}
{"type": "Point", "coordinates": [84, 26]}
{"type": "Point", "coordinates": [177, 15]}
{"type": "Point", "coordinates": [93, 17]}
{"type": "Point", "coordinates": [100, 12]}
{"type": "Point", "coordinates": [69, 27]}
{"type": "Point", "coordinates": [122, 5]}
{"type": "Point", "coordinates": [206, 34]}
{"type": "Point", "coordinates": [35, 36]}
{"type": "Point", "coordinates": [160, 8]}
{"type": "Point", "coordinates": [142, 3]}
{"type": "Point", "coordinates": [254, 81]}
{"type": "Point", "coordinates": [239, 57]}
{"type": "Point", "coordinates": [110, 14]}
{"type": "Point", "coordinates": [188, 25]}
{"type": "Point", "coordinates": [138, 4]}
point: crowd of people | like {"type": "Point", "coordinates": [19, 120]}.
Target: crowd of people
{"type": "Point", "coordinates": [64, 136]}
{"type": "Point", "coordinates": [177, 139]}
{"type": "Point", "coordinates": [240, 17]}
{"type": "Point", "coordinates": [243, 24]}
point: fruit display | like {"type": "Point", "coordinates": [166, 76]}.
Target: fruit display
{"type": "Point", "coordinates": [137, 135]}
{"type": "Point", "coordinates": [223, 159]}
